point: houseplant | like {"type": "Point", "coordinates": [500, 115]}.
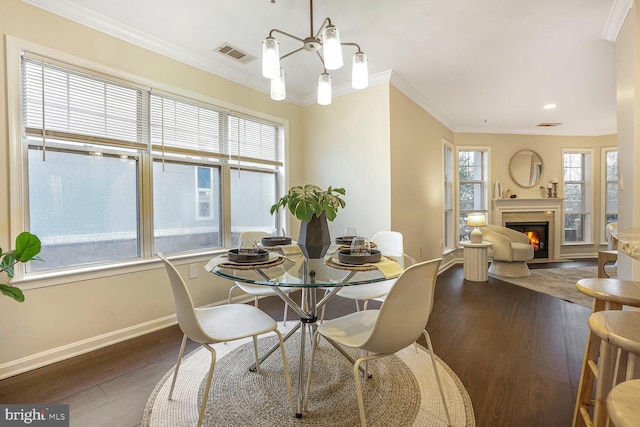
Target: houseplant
{"type": "Point", "coordinates": [27, 248]}
{"type": "Point", "coordinates": [313, 206]}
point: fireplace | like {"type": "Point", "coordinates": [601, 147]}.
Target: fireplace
{"type": "Point", "coordinates": [538, 233]}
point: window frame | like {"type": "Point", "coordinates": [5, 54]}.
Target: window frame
{"type": "Point", "coordinates": [603, 190]}
{"type": "Point", "coordinates": [18, 200]}
{"type": "Point", "coordinates": [486, 154]}
{"type": "Point", "coordinates": [588, 189]}
{"type": "Point", "coordinates": [449, 189]}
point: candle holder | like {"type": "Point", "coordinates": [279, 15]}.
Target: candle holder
{"type": "Point", "coordinates": [555, 190]}
{"type": "Point", "coordinates": [550, 192]}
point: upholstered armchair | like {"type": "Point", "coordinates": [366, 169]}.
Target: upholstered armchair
{"type": "Point", "coordinates": [510, 251]}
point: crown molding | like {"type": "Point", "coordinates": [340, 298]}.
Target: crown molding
{"type": "Point", "coordinates": [412, 93]}
{"type": "Point", "coordinates": [616, 18]}
{"type": "Point", "coordinates": [550, 132]}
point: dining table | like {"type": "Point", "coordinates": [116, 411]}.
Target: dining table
{"type": "Point", "coordinates": [318, 279]}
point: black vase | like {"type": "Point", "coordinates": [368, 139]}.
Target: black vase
{"type": "Point", "coordinates": [314, 239]}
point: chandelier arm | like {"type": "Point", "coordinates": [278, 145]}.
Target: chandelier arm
{"type": "Point", "coordinates": [291, 53]}
{"type": "Point", "coordinates": [353, 44]}
{"type": "Point", "coordinates": [325, 23]}
{"type": "Point", "coordinates": [321, 60]}
{"type": "Point", "coordinates": [275, 30]}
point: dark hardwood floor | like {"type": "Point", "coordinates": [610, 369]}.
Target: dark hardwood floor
{"type": "Point", "coordinates": [517, 352]}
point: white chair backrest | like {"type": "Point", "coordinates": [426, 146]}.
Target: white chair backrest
{"type": "Point", "coordinates": [389, 243]}
{"type": "Point", "coordinates": [406, 309]}
{"type": "Point", "coordinates": [258, 235]}
{"type": "Point", "coordinates": [185, 311]}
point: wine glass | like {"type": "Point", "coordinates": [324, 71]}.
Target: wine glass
{"type": "Point", "coordinates": [248, 247]}
{"type": "Point", "coordinates": [278, 233]}
{"type": "Point", "coordinates": [360, 246]}
{"type": "Point", "coordinates": [350, 232]}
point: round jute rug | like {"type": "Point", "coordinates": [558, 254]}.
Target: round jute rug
{"type": "Point", "coordinates": [402, 392]}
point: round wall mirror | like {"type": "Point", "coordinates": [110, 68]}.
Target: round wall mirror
{"type": "Point", "coordinates": [526, 168]}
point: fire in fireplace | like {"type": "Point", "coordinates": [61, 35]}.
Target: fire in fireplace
{"type": "Point", "coordinates": [538, 233]}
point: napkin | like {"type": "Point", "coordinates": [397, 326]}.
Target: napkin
{"type": "Point", "coordinates": [290, 249]}
{"type": "Point", "coordinates": [388, 268]}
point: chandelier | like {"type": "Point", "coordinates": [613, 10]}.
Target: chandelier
{"type": "Point", "coordinates": [327, 40]}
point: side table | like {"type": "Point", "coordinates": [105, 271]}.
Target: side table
{"type": "Point", "coordinates": [476, 268]}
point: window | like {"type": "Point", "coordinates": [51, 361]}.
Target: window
{"type": "Point", "coordinates": [449, 229]}
{"type": "Point", "coordinates": [473, 186]}
{"type": "Point", "coordinates": [577, 194]}
{"type": "Point", "coordinates": [118, 171]}
{"type": "Point", "coordinates": [610, 174]}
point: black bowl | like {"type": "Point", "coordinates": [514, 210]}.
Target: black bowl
{"type": "Point", "coordinates": [345, 257]}
{"type": "Point", "coordinates": [276, 241]}
{"type": "Point", "coordinates": [260, 256]}
{"type": "Point", "coordinates": [344, 240]}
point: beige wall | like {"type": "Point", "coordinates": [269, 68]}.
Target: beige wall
{"type": "Point", "coordinates": [550, 149]}
{"type": "Point", "coordinates": [89, 311]}
{"type": "Point", "coordinates": [347, 145]}
{"type": "Point", "coordinates": [416, 176]}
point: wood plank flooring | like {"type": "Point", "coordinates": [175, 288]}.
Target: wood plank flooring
{"type": "Point", "coordinates": [517, 352]}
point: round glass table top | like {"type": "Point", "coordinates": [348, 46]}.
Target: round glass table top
{"type": "Point", "coordinates": [298, 271]}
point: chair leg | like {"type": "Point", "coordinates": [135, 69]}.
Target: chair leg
{"type": "Point", "coordinates": [356, 375]}
{"type": "Point", "coordinates": [366, 304]}
{"type": "Point", "coordinates": [286, 371]}
{"type": "Point", "coordinates": [205, 397]}
{"type": "Point", "coordinates": [357, 305]}
{"type": "Point", "coordinates": [435, 371]}
{"type": "Point", "coordinates": [175, 372]}
{"type": "Point", "coordinates": [255, 352]}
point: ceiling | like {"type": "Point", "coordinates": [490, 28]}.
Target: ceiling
{"type": "Point", "coordinates": [475, 65]}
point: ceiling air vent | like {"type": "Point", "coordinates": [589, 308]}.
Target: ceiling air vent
{"type": "Point", "coordinates": [549, 124]}
{"type": "Point", "coordinates": [234, 53]}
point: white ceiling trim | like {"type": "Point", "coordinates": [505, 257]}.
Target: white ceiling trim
{"type": "Point", "coordinates": [403, 86]}
{"type": "Point", "coordinates": [557, 131]}
{"type": "Point", "coordinates": [617, 15]}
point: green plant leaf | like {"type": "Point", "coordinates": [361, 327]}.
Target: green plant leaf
{"type": "Point", "coordinates": [7, 263]}
{"type": "Point", "coordinates": [27, 246]}
{"type": "Point", "coordinates": [12, 292]}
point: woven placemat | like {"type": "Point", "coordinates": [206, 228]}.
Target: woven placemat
{"type": "Point", "coordinates": [255, 266]}
{"type": "Point", "coordinates": [352, 267]}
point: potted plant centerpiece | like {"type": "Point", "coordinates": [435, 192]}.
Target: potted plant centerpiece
{"type": "Point", "coordinates": [313, 206]}
{"type": "Point", "coordinates": [27, 248]}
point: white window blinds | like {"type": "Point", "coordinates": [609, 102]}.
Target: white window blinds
{"type": "Point", "coordinates": [63, 102]}
{"type": "Point", "coordinates": [178, 125]}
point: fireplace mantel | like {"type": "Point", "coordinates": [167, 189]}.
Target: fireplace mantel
{"type": "Point", "coordinates": [550, 207]}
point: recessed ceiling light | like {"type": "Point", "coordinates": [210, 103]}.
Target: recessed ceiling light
{"type": "Point", "coordinates": [549, 106]}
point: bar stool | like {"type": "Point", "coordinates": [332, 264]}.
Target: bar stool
{"type": "Point", "coordinates": [622, 404]}
{"type": "Point", "coordinates": [619, 331]}
{"type": "Point", "coordinates": [607, 294]}
{"type": "Point", "coordinates": [604, 258]}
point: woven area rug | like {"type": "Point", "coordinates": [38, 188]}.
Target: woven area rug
{"type": "Point", "coordinates": [557, 282]}
{"type": "Point", "coordinates": [402, 391]}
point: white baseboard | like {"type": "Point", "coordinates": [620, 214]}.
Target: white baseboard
{"type": "Point", "coordinates": [68, 351]}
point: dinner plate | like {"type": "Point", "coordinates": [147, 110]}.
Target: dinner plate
{"type": "Point", "coordinates": [345, 257]}
{"type": "Point", "coordinates": [261, 256]}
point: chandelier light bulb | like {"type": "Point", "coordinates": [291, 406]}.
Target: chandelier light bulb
{"type": "Point", "coordinates": [278, 90]}
{"type": "Point", "coordinates": [324, 89]}
{"type": "Point", "coordinates": [270, 58]}
{"type": "Point", "coordinates": [360, 71]}
{"type": "Point", "coordinates": [331, 47]}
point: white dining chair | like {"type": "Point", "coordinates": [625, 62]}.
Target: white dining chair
{"type": "Point", "coordinates": [219, 324]}
{"type": "Point", "coordinates": [390, 243]}
{"type": "Point", "coordinates": [258, 291]}
{"type": "Point", "coordinates": [398, 323]}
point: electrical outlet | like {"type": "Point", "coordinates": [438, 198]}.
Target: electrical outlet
{"type": "Point", "coordinates": [193, 271]}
